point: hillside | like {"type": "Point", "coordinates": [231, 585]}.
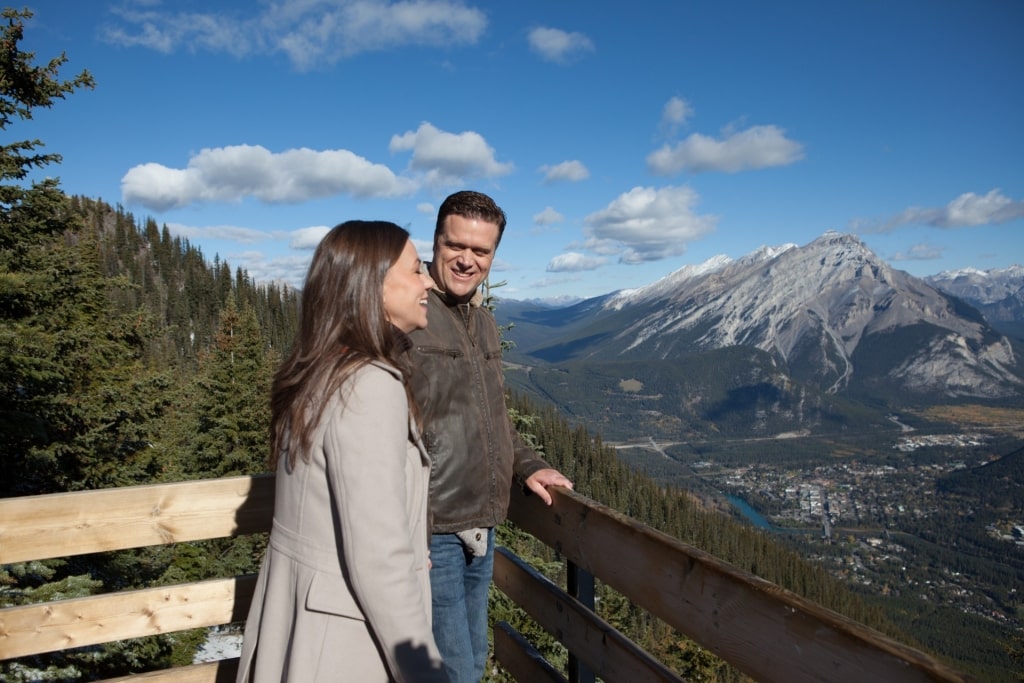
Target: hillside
{"type": "Point", "coordinates": [997, 486]}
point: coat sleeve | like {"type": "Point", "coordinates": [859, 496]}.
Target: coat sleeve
{"type": "Point", "coordinates": [365, 446]}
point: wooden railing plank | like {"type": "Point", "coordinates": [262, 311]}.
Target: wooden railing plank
{"type": "Point", "coordinates": [222, 671]}
{"type": "Point", "coordinates": [520, 659]}
{"type": "Point", "coordinates": [609, 654]}
{"type": "Point", "coordinates": [771, 634]}
{"type": "Point", "coordinates": [66, 524]}
{"type": "Point", "coordinates": [61, 624]}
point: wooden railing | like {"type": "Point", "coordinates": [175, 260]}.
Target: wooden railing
{"type": "Point", "coordinates": [761, 629]}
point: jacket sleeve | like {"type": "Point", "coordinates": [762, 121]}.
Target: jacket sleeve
{"type": "Point", "coordinates": [526, 461]}
{"type": "Point", "coordinates": [365, 447]}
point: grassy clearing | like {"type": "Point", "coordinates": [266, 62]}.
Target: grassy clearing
{"type": "Point", "coordinates": [1009, 420]}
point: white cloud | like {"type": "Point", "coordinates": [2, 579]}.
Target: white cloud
{"type": "Point", "coordinates": [547, 217]}
{"type": "Point", "coordinates": [650, 224]}
{"type": "Point", "coordinates": [572, 171]}
{"type": "Point", "coordinates": [756, 147]}
{"type": "Point", "coordinates": [425, 207]}
{"type": "Point", "coordinates": [919, 252]}
{"type": "Point", "coordinates": [449, 158]}
{"type": "Point", "coordinates": [501, 266]}
{"type": "Point", "coordinates": [424, 249]}
{"type": "Point", "coordinates": [556, 280]}
{"type": "Point", "coordinates": [235, 233]}
{"type": "Point", "coordinates": [290, 268]}
{"type": "Point", "coordinates": [228, 174]}
{"type": "Point", "coordinates": [308, 238]}
{"type": "Point", "coordinates": [556, 45]}
{"type": "Point", "coordinates": [605, 247]}
{"type": "Point", "coordinates": [232, 233]}
{"type": "Point", "coordinates": [574, 262]}
{"type": "Point", "coordinates": [310, 33]}
{"type": "Point", "coordinates": [674, 115]}
{"type": "Point", "coordinates": [967, 210]}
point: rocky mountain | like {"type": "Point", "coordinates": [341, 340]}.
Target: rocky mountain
{"type": "Point", "coordinates": [997, 293]}
{"type": "Point", "coordinates": [829, 317]}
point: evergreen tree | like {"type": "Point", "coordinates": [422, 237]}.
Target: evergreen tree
{"type": "Point", "coordinates": [230, 399]}
{"type": "Point", "coordinates": [27, 214]}
{"type": "Point", "coordinates": [75, 402]}
{"type": "Point", "coordinates": [69, 416]}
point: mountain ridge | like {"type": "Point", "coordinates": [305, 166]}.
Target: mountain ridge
{"type": "Point", "coordinates": [997, 293]}
{"type": "Point", "coordinates": [832, 317]}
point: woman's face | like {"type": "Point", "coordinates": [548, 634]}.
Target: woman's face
{"type": "Point", "coordinates": [405, 291]}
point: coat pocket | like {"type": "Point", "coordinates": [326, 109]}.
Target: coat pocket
{"type": "Point", "coordinates": [330, 594]}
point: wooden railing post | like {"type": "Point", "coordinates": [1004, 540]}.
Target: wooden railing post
{"type": "Point", "coordinates": [580, 585]}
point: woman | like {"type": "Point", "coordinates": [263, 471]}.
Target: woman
{"type": "Point", "coordinates": [344, 593]}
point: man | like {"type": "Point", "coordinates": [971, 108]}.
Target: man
{"type": "Point", "coordinates": [458, 385]}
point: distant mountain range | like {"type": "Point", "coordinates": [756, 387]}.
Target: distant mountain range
{"type": "Point", "coordinates": [785, 338]}
{"type": "Point", "coordinates": [998, 294]}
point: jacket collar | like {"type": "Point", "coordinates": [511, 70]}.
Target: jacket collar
{"type": "Point", "coordinates": [475, 301]}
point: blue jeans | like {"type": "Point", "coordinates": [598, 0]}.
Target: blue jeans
{"type": "Point", "coordinates": [459, 583]}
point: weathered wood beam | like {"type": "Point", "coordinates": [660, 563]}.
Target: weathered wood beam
{"type": "Point", "coordinates": [66, 524]}
{"type": "Point", "coordinates": [609, 654]}
{"type": "Point", "coordinates": [77, 622]}
{"type": "Point", "coordinates": [769, 633]}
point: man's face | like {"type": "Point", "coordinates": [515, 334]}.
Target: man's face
{"type": "Point", "coordinates": [463, 253]}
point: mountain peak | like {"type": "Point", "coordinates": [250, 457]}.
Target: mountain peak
{"type": "Point", "coordinates": [815, 307]}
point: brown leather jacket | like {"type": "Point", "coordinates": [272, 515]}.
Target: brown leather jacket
{"type": "Point", "coordinates": [459, 386]}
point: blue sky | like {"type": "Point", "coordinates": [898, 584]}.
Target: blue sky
{"type": "Point", "coordinates": [623, 139]}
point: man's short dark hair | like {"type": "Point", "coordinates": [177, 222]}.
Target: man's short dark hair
{"type": "Point", "coordinates": [469, 204]}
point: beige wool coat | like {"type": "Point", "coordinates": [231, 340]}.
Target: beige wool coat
{"type": "Point", "coordinates": [344, 593]}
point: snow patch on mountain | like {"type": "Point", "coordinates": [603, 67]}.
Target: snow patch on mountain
{"type": "Point", "coordinates": [981, 286]}
{"type": "Point", "coordinates": [677, 279]}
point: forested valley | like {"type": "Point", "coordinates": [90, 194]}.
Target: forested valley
{"type": "Point", "coordinates": [130, 357]}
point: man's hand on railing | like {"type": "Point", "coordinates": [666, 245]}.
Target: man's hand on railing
{"type": "Point", "coordinates": [539, 481]}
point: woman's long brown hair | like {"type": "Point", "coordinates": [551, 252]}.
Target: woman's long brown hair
{"type": "Point", "coordinates": [342, 326]}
